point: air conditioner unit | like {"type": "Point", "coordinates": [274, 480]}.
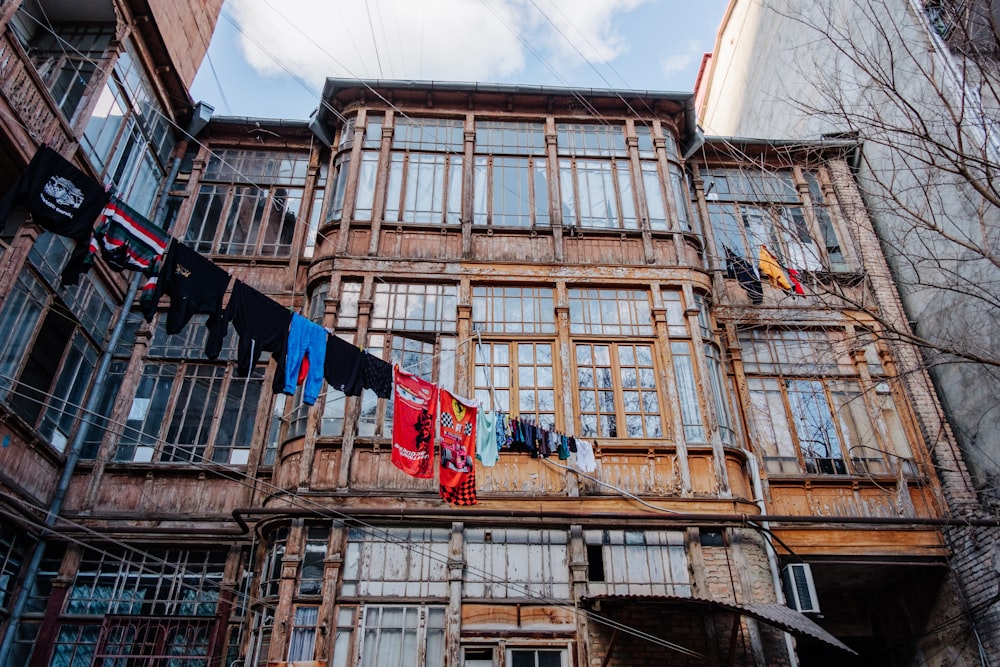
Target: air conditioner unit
{"type": "Point", "coordinates": [800, 591]}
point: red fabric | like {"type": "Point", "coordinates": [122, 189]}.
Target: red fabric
{"type": "Point", "coordinates": [458, 439]}
{"type": "Point", "coordinates": [303, 369]}
{"type": "Point", "coordinates": [793, 276]}
{"type": "Point", "coordinates": [414, 414]}
{"type": "Point", "coordinates": [464, 493]}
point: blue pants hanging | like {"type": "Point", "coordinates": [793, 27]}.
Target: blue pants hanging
{"type": "Point", "coordinates": [305, 337]}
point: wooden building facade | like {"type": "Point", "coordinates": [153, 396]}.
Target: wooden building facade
{"type": "Point", "coordinates": [575, 258]}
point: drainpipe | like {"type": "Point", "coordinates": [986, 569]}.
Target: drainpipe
{"type": "Point", "coordinates": [772, 557]}
{"type": "Point", "coordinates": [73, 452]}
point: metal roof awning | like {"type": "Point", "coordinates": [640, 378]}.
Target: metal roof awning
{"type": "Point", "coordinates": [775, 614]}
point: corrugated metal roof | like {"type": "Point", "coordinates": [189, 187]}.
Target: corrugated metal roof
{"type": "Point", "coordinates": [774, 614]}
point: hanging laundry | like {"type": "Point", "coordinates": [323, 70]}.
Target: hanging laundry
{"type": "Point", "coordinates": [305, 337]}
{"type": "Point", "coordinates": [530, 437]}
{"type": "Point", "coordinates": [303, 370]}
{"type": "Point", "coordinates": [742, 271]}
{"type": "Point", "coordinates": [585, 460]}
{"type": "Point", "coordinates": [194, 285]}
{"type": "Point", "coordinates": [262, 325]}
{"type": "Point", "coordinates": [62, 199]}
{"type": "Point", "coordinates": [505, 432]}
{"type": "Point", "coordinates": [771, 268]}
{"type": "Point", "coordinates": [563, 448]}
{"type": "Point", "coordinates": [376, 375]}
{"type": "Point", "coordinates": [342, 366]}
{"type": "Point", "coordinates": [793, 277]}
{"type": "Point", "coordinates": [127, 240]}
{"type": "Point", "coordinates": [544, 443]}
{"type": "Point", "coordinates": [413, 417]}
{"type": "Point", "coordinates": [487, 449]}
{"type": "Point", "coordinates": [458, 438]}
{"type": "Point", "coordinates": [464, 494]}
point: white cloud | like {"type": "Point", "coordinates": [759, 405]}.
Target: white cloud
{"type": "Point", "coordinates": [459, 40]}
{"type": "Point", "coordinates": [675, 62]}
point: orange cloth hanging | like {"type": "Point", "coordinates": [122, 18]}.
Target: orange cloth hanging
{"type": "Point", "coordinates": [770, 267]}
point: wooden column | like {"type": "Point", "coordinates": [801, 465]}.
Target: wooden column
{"type": "Point", "coordinates": [49, 630]}
{"type": "Point", "coordinates": [578, 578]}
{"type": "Point", "coordinates": [284, 613]}
{"type": "Point", "coordinates": [453, 621]}
{"type": "Point", "coordinates": [672, 420]}
{"type": "Point", "coordinates": [353, 406]}
{"type": "Point", "coordinates": [351, 187]}
{"type": "Point", "coordinates": [334, 562]}
{"type": "Point", "coordinates": [552, 179]}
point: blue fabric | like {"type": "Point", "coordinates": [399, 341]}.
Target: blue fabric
{"type": "Point", "coordinates": [305, 337]}
{"type": "Point", "coordinates": [486, 438]}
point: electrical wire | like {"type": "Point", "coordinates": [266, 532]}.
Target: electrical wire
{"type": "Point", "coordinates": [737, 152]}
{"type": "Point", "coordinates": [382, 534]}
{"type": "Point", "coordinates": [467, 341]}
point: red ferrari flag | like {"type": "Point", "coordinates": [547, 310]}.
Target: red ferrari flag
{"type": "Point", "coordinates": [414, 413]}
{"type": "Point", "coordinates": [458, 439]}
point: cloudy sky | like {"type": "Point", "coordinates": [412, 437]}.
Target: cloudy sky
{"type": "Point", "coordinates": [269, 57]}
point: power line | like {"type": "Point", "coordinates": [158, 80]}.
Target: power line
{"type": "Point", "coordinates": [381, 534]}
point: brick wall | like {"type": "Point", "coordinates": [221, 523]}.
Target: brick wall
{"type": "Point", "coordinates": [186, 33]}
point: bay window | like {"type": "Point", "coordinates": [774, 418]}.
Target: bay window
{"type": "Point", "coordinates": [536, 657]}
{"type": "Point", "coordinates": [425, 186]}
{"type": "Point", "coordinates": [396, 563]}
{"type": "Point", "coordinates": [122, 605]}
{"type": "Point", "coordinates": [594, 177]}
{"type": "Point", "coordinates": [510, 187]}
{"type": "Point", "coordinates": [65, 55]}
{"type": "Point", "coordinates": [610, 312]}
{"type": "Point", "coordinates": [248, 203]}
{"type": "Point", "coordinates": [50, 355]}
{"type": "Point", "coordinates": [617, 391]}
{"type": "Point", "coordinates": [617, 388]}
{"type": "Point", "coordinates": [128, 137]}
{"type": "Point", "coordinates": [517, 376]}
{"type": "Point", "coordinates": [749, 209]}
{"type": "Point", "coordinates": [364, 199]}
{"type": "Point", "coordinates": [506, 550]}
{"type": "Point", "coordinates": [812, 414]}
{"type": "Point", "coordinates": [402, 636]}
{"type": "Point", "coordinates": [655, 203]}
{"type": "Point", "coordinates": [187, 410]}
{"type": "Point", "coordinates": [302, 640]}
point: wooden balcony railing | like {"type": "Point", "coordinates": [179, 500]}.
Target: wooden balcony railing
{"type": "Point", "coordinates": [26, 95]}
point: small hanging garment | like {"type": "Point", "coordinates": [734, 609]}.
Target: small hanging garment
{"type": "Point", "coordinates": [262, 325]}
{"type": "Point", "coordinates": [376, 375]}
{"type": "Point", "coordinates": [127, 240]}
{"type": "Point", "coordinates": [194, 285]}
{"type": "Point", "coordinates": [486, 438]}
{"type": "Point", "coordinates": [771, 268]}
{"type": "Point", "coordinates": [793, 277]}
{"type": "Point", "coordinates": [62, 199]}
{"type": "Point", "coordinates": [306, 339]}
{"type": "Point", "coordinates": [342, 366]}
{"type": "Point", "coordinates": [742, 271]}
{"type": "Point", "coordinates": [585, 460]}
{"type": "Point", "coordinates": [563, 448]}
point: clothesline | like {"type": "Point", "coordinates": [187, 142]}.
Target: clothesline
{"type": "Point", "coordinates": [66, 201]}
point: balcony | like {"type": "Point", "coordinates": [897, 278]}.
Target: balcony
{"type": "Point", "coordinates": [26, 96]}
